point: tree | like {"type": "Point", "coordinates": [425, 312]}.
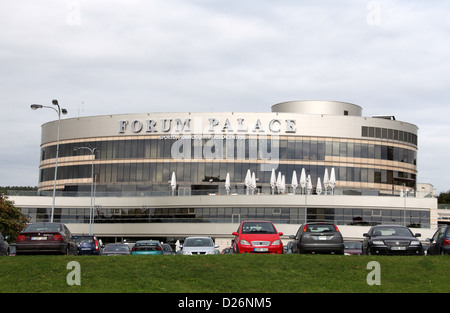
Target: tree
{"type": "Point", "coordinates": [12, 221]}
{"type": "Point", "coordinates": [444, 198]}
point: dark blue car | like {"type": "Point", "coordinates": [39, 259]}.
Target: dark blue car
{"type": "Point", "coordinates": [87, 245]}
{"type": "Point", "coordinates": [440, 242]}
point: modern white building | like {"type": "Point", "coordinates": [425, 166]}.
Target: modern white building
{"type": "Point", "coordinates": [373, 161]}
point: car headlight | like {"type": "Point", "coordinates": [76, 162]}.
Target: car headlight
{"type": "Point", "coordinates": [244, 242]}
{"type": "Point", "coordinates": [276, 243]}
{"type": "Point", "coordinates": [415, 243]}
{"type": "Point", "coordinates": [378, 242]}
{"type": "Point", "coordinates": [210, 252]}
{"type": "Point", "coordinates": [186, 253]}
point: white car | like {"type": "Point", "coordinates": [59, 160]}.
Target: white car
{"type": "Point", "coordinates": [198, 245]}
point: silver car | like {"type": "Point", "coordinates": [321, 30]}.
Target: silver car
{"type": "Point", "coordinates": [198, 245]}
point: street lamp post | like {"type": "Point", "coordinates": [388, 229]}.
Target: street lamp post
{"type": "Point", "coordinates": [91, 211]}
{"type": "Point", "coordinates": [58, 111]}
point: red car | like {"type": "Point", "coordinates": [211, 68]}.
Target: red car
{"type": "Point", "coordinates": [257, 237]}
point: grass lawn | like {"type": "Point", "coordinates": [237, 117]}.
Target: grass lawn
{"type": "Point", "coordinates": [225, 274]}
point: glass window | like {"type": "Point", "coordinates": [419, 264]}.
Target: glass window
{"type": "Point", "coordinates": [321, 150]}
{"type": "Point", "coordinates": [335, 148]}
{"type": "Point", "coordinates": [343, 149]}
{"type": "Point", "coordinates": [313, 150]}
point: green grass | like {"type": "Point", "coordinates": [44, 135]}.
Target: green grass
{"type": "Point", "coordinates": [225, 274]}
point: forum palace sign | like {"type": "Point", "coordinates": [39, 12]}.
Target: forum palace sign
{"type": "Point", "coordinates": [224, 139]}
{"type": "Point", "coordinates": [214, 125]}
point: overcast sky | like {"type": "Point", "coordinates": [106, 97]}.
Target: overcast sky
{"type": "Point", "coordinates": [110, 57]}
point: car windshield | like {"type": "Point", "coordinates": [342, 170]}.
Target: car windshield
{"type": "Point", "coordinates": [392, 231]}
{"type": "Point", "coordinates": [198, 242]}
{"type": "Point", "coordinates": [41, 227]}
{"type": "Point", "coordinates": [258, 228]}
{"type": "Point", "coordinates": [83, 239]}
{"type": "Point", "coordinates": [320, 228]}
{"type": "Point", "coordinates": [116, 248]}
{"type": "Point", "coordinates": [352, 245]}
{"type": "Point", "coordinates": [146, 245]}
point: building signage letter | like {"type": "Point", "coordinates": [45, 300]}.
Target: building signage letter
{"type": "Point", "coordinates": [240, 127]}
{"type": "Point", "coordinates": [227, 126]}
{"type": "Point", "coordinates": [165, 124]}
{"type": "Point", "coordinates": [258, 127]}
{"type": "Point", "coordinates": [212, 123]}
{"type": "Point", "coordinates": [183, 126]}
{"type": "Point", "coordinates": [271, 126]}
{"type": "Point", "coordinates": [290, 126]}
{"type": "Point", "coordinates": [122, 126]}
{"type": "Point", "coordinates": [136, 126]}
{"type": "Point", "coordinates": [151, 126]}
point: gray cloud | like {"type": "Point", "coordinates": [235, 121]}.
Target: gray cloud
{"type": "Point", "coordinates": [109, 57]}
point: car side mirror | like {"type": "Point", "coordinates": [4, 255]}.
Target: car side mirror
{"type": "Point", "coordinates": [428, 240]}
{"type": "Point", "coordinates": [292, 237]}
{"type": "Point", "coordinates": [417, 235]}
{"type": "Point", "coordinates": [280, 234]}
{"type": "Point", "coordinates": [235, 234]}
{"type": "Point", "coordinates": [216, 246]}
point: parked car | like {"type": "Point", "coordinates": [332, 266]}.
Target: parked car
{"type": "Point", "coordinates": [227, 250]}
{"type": "Point", "coordinates": [318, 237]}
{"type": "Point", "coordinates": [46, 238]}
{"type": "Point", "coordinates": [87, 245]}
{"type": "Point", "coordinates": [167, 249]}
{"type": "Point", "coordinates": [116, 249]}
{"type": "Point", "coordinates": [147, 247]}
{"type": "Point", "coordinates": [198, 245]}
{"type": "Point", "coordinates": [391, 239]}
{"type": "Point", "coordinates": [352, 247]}
{"type": "Point", "coordinates": [4, 246]}
{"type": "Point", "coordinates": [257, 237]}
{"type": "Point", "coordinates": [440, 242]}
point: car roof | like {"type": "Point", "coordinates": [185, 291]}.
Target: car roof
{"type": "Point", "coordinates": [257, 221]}
{"type": "Point", "coordinates": [197, 237]}
{"type": "Point", "coordinates": [376, 226]}
{"type": "Point", "coordinates": [147, 241]}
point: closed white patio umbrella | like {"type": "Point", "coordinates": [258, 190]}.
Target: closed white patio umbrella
{"type": "Point", "coordinates": [332, 180]}
{"type": "Point", "coordinates": [278, 183]}
{"type": "Point", "coordinates": [326, 180]}
{"type": "Point", "coordinates": [303, 180]}
{"type": "Point", "coordinates": [283, 184]}
{"type": "Point", "coordinates": [227, 183]}
{"type": "Point", "coordinates": [309, 186]}
{"type": "Point", "coordinates": [173, 183]}
{"type": "Point", "coordinates": [248, 180]}
{"type": "Point", "coordinates": [273, 181]}
{"type": "Point", "coordinates": [294, 182]}
{"type": "Point", "coordinates": [318, 186]}
{"type": "Point", "coordinates": [253, 183]}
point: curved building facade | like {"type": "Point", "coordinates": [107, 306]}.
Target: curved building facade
{"type": "Point", "coordinates": [137, 153]}
{"type": "Point", "coordinates": [134, 156]}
